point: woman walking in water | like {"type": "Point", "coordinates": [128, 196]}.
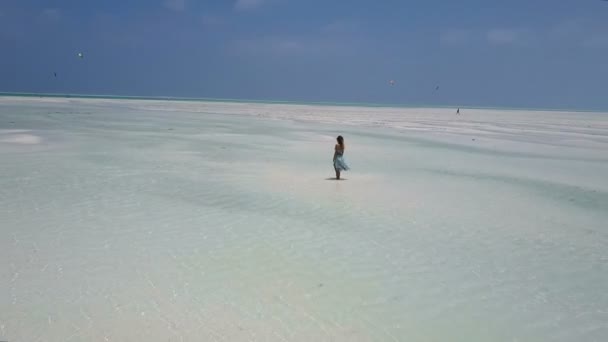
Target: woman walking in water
{"type": "Point", "coordinates": [339, 163]}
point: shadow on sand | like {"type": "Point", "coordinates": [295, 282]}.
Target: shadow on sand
{"type": "Point", "coordinates": [335, 179]}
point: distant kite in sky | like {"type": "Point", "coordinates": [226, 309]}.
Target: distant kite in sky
{"type": "Point", "coordinates": [391, 82]}
{"type": "Point", "coordinates": [55, 74]}
{"type": "Point", "coordinates": [436, 88]}
{"type": "Point", "coordinates": [81, 55]}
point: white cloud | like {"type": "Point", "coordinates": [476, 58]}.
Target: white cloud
{"type": "Point", "coordinates": [581, 32]}
{"type": "Point", "coordinates": [515, 36]}
{"type": "Point", "coordinates": [244, 5]}
{"type": "Point", "coordinates": [210, 20]}
{"type": "Point", "coordinates": [455, 37]}
{"type": "Point", "coordinates": [175, 5]}
{"type": "Point", "coordinates": [572, 33]}
{"type": "Point", "coordinates": [568, 30]}
{"type": "Point", "coordinates": [503, 36]}
{"type": "Point", "coordinates": [596, 40]}
{"type": "Point", "coordinates": [491, 36]}
{"type": "Point", "coordinates": [294, 45]}
{"type": "Point", "coordinates": [340, 27]}
{"type": "Point", "coordinates": [52, 14]}
{"type": "Point", "coordinates": [271, 45]}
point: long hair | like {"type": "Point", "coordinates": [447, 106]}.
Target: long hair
{"type": "Point", "coordinates": [340, 141]}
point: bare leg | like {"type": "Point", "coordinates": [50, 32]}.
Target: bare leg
{"type": "Point", "coordinates": [337, 174]}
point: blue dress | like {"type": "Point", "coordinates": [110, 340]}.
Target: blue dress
{"type": "Point", "coordinates": [339, 163]}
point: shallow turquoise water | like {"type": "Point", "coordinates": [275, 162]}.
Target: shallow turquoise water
{"type": "Point", "coordinates": [160, 220]}
{"type": "Point", "coordinates": [357, 104]}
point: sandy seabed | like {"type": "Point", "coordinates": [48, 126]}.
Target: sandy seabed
{"type": "Point", "coordinates": [134, 220]}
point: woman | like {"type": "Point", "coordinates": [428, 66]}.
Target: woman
{"type": "Point", "coordinates": [339, 163]}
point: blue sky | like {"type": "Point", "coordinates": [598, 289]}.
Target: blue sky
{"type": "Point", "coordinates": [518, 53]}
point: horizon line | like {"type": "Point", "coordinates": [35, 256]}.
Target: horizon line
{"type": "Point", "coordinates": [319, 103]}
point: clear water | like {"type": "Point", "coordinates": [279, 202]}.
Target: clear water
{"type": "Point", "coordinates": [133, 220]}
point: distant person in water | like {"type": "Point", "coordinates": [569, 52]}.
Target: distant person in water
{"type": "Point", "coordinates": [339, 163]}
{"type": "Point", "coordinates": [458, 111]}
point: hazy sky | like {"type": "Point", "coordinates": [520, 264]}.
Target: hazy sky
{"type": "Point", "coordinates": [517, 53]}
